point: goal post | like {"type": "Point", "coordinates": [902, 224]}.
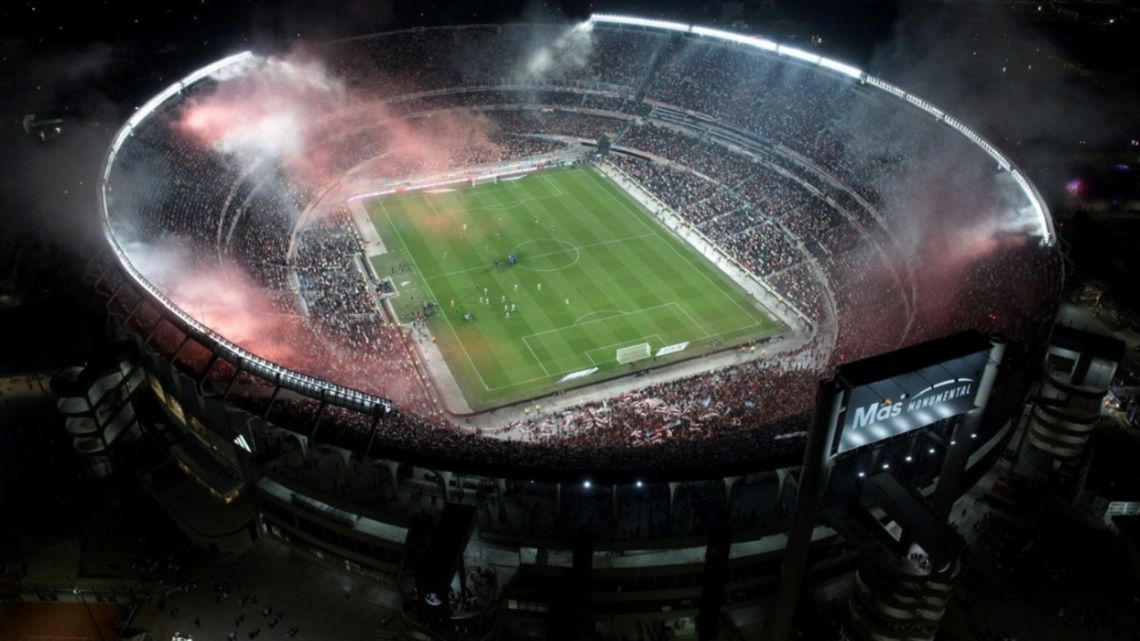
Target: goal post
{"type": "Point", "coordinates": [484, 180]}
{"type": "Point", "coordinates": [633, 353]}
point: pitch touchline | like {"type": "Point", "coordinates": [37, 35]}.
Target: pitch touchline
{"type": "Point", "coordinates": [553, 253]}
{"type": "Point", "coordinates": [445, 317]}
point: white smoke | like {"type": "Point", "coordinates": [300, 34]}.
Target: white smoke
{"type": "Point", "coordinates": [568, 53]}
{"type": "Point", "coordinates": [265, 112]}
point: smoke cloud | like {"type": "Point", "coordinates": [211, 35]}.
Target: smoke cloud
{"type": "Point", "coordinates": [265, 113]}
{"type": "Point", "coordinates": [222, 297]}
{"type": "Point", "coordinates": [569, 52]}
{"type": "Point", "coordinates": [294, 112]}
{"type": "Point", "coordinates": [48, 187]}
{"type": "Point", "coordinates": [956, 217]}
{"type": "Point", "coordinates": [1003, 77]}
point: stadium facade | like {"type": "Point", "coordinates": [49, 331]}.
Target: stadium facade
{"type": "Point", "coordinates": [823, 183]}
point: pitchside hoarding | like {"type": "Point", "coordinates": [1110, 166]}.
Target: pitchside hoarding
{"type": "Point", "coordinates": [902, 391]}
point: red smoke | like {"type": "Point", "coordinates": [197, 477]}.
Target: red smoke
{"type": "Point", "coordinates": [227, 301]}
{"type": "Point", "coordinates": [293, 111]}
{"type": "Point", "coordinates": [230, 303]}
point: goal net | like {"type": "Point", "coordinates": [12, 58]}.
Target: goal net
{"type": "Point", "coordinates": [633, 353]}
{"type": "Point", "coordinates": [483, 180]}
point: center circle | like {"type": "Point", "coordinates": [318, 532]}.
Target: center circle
{"type": "Point", "coordinates": [547, 254]}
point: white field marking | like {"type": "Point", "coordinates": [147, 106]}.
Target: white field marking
{"type": "Point", "coordinates": [684, 258]}
{"type": "Point", "coordinates": [502, 185]}
{"type": "Point", "coordinates": [577, 258]}
{"type": "Point", "coordinates": [600, 320]}
{"type": "Point", "coordinates": [600, 311]}
{"type": "Point", "coordinates": [445, 316]}
{"type": "Point", "coordinates": [539, 378]}
{"type": "Point", "coordinates": [572, 248]}
{"type": "Point", "coordinates": [511, 185]}
{"type": "Point", "coordinates": [643, 339]}
{"type": "Point", "coordinates": [576, 248]}
{"type": "Point", "coordinates": [501, 206]}
{"type": "Point", "coordinates": [540, 364]}
{"type": "Point", "coordinates": [575, 325]}
{"type": "Point", "coordinates": [523, 382]}
{"type": "Point", "coordinates": [694, 321]}
{"type": "Point", "coordinates": [547, 178]}
{"type": "Point", "coordinates": [587, 352]}
{"type": "Point", "coordinates": [498, 207]}
{"type": "Point", "coordinates": [412, 193]}
{"type": "Point", "coordinates": [509, 205]}
{"type": "Point", "coordinates": [532, 353]}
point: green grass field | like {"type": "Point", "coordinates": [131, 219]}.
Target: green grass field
{"type": "Point", "coordinates": [596, 272]}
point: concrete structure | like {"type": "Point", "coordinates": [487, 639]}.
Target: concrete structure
{"type": "Point", "coordinates": [1080, 366]}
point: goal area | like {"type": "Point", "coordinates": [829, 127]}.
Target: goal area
{"type": "Point", "coordinates": [633, 353]}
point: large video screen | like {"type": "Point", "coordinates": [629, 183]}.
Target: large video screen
{"type": "Point", "coordinates": [895, 393]}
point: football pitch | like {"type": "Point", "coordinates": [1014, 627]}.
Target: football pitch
{"type": "Point", "coordinates": [595, 272]}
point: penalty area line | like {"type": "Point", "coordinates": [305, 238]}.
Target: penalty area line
{"type": "Point", "coordinates": [536, 358]}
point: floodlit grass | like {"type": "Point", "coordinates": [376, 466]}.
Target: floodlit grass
{"type": "Point", "coordinates": [595, 273]}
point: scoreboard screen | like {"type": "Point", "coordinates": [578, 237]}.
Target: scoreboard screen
{"type": "Point", "coordinates": [888, 395]}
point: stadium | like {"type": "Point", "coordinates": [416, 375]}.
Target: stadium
{"type": "Point", "coordinates": [591, 275]}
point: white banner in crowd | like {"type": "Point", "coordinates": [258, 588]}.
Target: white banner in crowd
{"type": "Point", "coordinates": [576, 375]}
{"type": "Point", "coordinates": [672, 349]}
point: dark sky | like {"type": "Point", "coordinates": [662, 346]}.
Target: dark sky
{"type": "Point", "coordinates": [143, 43]}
